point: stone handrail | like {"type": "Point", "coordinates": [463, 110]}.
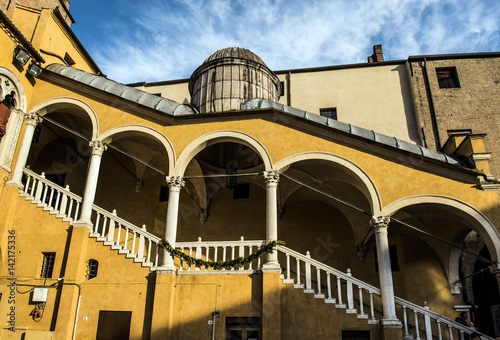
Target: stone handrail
{"type": "Point", "coordinates": [219, 251]}
{"type": "Point", "coordinates": [306, 262]}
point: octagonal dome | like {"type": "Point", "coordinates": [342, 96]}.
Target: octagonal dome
{"type": "Point", "coordinates": [230, 77]}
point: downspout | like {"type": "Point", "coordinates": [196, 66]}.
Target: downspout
{"type": "Point", "coordinates": [432, 110]}
{"type": "Point", "coordinates": [77, 310]}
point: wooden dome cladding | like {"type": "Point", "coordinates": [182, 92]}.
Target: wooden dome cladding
{"type": "Point", "coordinates": [229, 77]}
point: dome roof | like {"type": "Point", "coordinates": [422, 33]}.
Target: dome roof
{"type": "Point", "coordinates": [234, 52]}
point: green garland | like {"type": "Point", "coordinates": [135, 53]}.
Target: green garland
{"type": "Point", "coordinates": [241, 261]}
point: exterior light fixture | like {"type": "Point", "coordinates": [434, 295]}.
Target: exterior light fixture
{"type": "Point", "coordinates": [21, 55]}
{"type": "Point", "coordinates": [35, 69]}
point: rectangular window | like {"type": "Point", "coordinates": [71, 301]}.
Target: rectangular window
{"type": "Point", "coordinates": [330, 112]}
{"type": "Point", "coordinates": [282, 92]}
{"type": "Point", "coordinates": [47, 265]}
{"type": "Point", "coordinates": [447, 77]}
{"type": "Point", "coordinates": [393, 254]}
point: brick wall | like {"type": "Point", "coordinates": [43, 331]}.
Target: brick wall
{"type": "Point", "coordinates": [474, 105]}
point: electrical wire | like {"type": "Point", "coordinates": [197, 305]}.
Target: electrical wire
{"type": "Point", "coordinates": [392, 219]}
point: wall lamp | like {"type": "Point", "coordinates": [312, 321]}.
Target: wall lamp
{"type": "Point", "coordinates": [21, 54]}
{"type": "Point", "coordinates": [35, 69]}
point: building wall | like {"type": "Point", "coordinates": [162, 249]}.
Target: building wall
{"type": "Point", "coordinates": [474, 105]}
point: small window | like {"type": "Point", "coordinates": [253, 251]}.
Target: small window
{"type": "Point", "coordinates": [393, 254]}
{"type": "Point", "coordinates": [447, 77]}
{"type": "Point", "coordinates": [330, 112]}
{"type": "Point", "coordinates": [92, 266]}
{"type": "Point", "coordinates": [282, 91]}
{"type": "Point", "coordinates": [69, 60]}
{"type": "Point", "coordinates": [47, 265]}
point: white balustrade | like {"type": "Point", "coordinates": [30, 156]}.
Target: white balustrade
{"type": "Point", "coordinates": [58, 200]}
{"type": "Point", "coordinates": [108, 227]}
{"type": "Point", "coordinates": [210, 251]}
{"type": "Point", "coordinates": [422, 317]}
{"type": "Point", "coordinates": [124, 236]}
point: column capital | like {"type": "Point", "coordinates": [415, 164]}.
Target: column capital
{"type": "Point", "coordinates": [380, 221]}
{"type": "Point", "coordinates": [272, 176]}
{"type": "Point", "coordinates": [33, 118]}
{"type": "Point", "coordinates": [97, 147]}
{"type": "Point", "coordinates": [175, 181]}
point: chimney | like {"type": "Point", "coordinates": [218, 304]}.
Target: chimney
{"type": "Point", "coordinates": [377, 55]}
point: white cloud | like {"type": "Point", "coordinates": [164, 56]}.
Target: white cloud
{"type": "Point", "coordinates": [169, 40]}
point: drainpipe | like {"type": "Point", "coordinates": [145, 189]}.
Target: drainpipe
{"type": "Point", "coordinates": [435, 126]}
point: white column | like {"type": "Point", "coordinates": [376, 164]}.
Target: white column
{"type": "Point", "coordinates": [97, 148]}
{"type": "Point", "coordinates": [380, 224]}
{"type": "Point", "coordinates": [174, 184]}
{"type": "Point", "coordinates": [32, 120]}
{"type": "Point", "coordinates": [272, 179]}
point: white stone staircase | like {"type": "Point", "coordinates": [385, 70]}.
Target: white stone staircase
{"type": "Point", "coordinates": [143, 247]}
{"type": "Point", "coordinates": [425, 323]}
{"type": "Point", "coordinates": [134, 242]}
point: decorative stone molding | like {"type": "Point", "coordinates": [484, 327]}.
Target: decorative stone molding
{"type": "Point", "coordinates": [488, 183]}
{"type": "Point", "coordinates": [272, 176]}
{"type": "Point", "coordinates": [97, 147]}
{"type": "Point", "coordinates": [456, 288]}
{"type": "Point", "coordinates": [33, 118]}
{"type": "Point", "coordinates": [175, 181]}
{"type": "Point", "coordinates": [380, 222]}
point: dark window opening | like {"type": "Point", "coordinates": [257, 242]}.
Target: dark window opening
{"type": "Point", "coordinates": [47, 265]}
{"type": "Point", "coordinates": [92, 266]}
{"type": "Point", "coordinates": [69, 60]}
{"type": "Point", "coordinates": [241, 190]}
{"type": "Point", "coordinates": [447, 77]}
{"type": "Point", "coordinates": [393, 254]}
{"type": "Point", "coordinates": [164, 193]}
{"type": "Point", "coordinates": [355, 335]}
{"type": "Point", "coordinates": [243, 328]}
{"type": "Point", "coordinates": [330, 112]}
{"type": "Point", "coordinates": [282, 91]}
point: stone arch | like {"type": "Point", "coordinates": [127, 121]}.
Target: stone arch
{"type": "Point", "coordinates": [474, 217]}
{"type": "Point", "coordinates": [107, 137]}
{"type": "Point", "coordinates": [68, 102]}
{"type": "Point", "coordinates": [10, 82]}
{"type": "Point", "coordinates": [218, 137]}
{"type": "Point", "coordinates": [371, 190]}
{"type": "Point", "coordinates": [17, 85]}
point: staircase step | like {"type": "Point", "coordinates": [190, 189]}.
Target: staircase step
{"type": "Point", "coordinates": [123, 251]}
{"type": "Point", "coordinates": [298, 286]}
{"type": "Point", "coordinates": [319, 296]}
{"type": "Point", "coordinates": [147, 264]}
{"type": "Point", "coordinates": [139, 260]}
{"type": "Point", "coordinates": [288, 281]}
{"type": "Point", "coordinates": [341, 305]}
{"type": "Point", "coordinates": [116, 247]}
{"type": "Point", "coordinates": [94, 235]}
{"type": "Point", "coordinates": [363, 316]}
{"type": "Point", "coordinates": [331, 300]}
{"type": "Point", "coordinates": [130, 255]}
{"type": "Point", "coordinates": [351, 311]}
{"type": "Point", "coordinates": [101, 239]}
{"type": "Point", "coordinates": [309, 291]}
{"type": "Point", "coordinates": [108, 243]}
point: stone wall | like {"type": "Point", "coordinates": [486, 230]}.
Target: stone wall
{"type": "Point", "coordinates": [475, 105]}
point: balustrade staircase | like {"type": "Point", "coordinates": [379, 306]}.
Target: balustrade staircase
{"type": "Point", "coordinates": [341, 290]}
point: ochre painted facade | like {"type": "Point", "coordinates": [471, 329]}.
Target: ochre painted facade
{"type": "Point", "coordinates": [350, 206]}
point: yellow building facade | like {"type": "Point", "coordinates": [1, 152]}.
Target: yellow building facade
{"type": "Point", "coordinates": [97, 174]}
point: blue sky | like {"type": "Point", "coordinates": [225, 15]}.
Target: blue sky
{"type": "Point", "coordinates": [156, 40]}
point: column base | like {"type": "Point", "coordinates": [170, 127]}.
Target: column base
{"type": "Point", "coordinates": [393, 333]}
{"type": "Point", "coordinates": [13, 183]}
{"type": "Point", "coordinates": [391, 323]}
{"type": "Point", "coordinates": [271, 267]}
{"type": "Point", "coordinates": [166, 269]}
{"type": "Point", "coordinates": [83, 223]}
